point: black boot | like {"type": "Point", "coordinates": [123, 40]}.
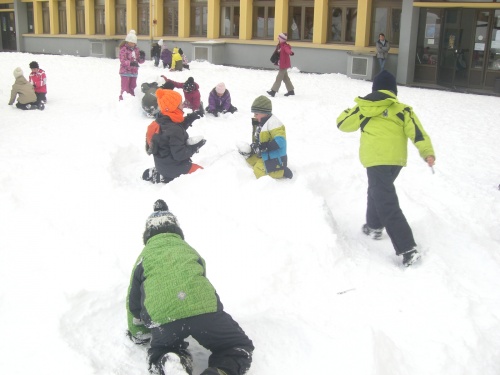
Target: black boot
{"type": "Point", "coordinates": [290, 93]}
{"type": "Point", "coordinates": [271, 92]}
{"type": "Point", "coordinates": [287, 173]}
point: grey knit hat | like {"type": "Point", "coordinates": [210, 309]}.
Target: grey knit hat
{"type": "Point", "coordinates": [262, 105]}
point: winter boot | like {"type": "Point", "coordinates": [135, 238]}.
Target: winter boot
{"type": "Point", "coordinates": [410, 257]}
{"type": "Point", "coordinates": [174, 363]}
{"type": "Point", "coordinates": [41, 106]}
{"type": "Point", "coordinates": [152, 175]}
{"type": "Point", "coordinates": [213, 371]}
{"type": "Point", "coordinates": [290, 93]}
{"type": "Point", "coordinates": [375, 234]}
{"type": "Point", "coordinates": [271, 92]}
{"type": "Point", "coordinates": [287, 173]}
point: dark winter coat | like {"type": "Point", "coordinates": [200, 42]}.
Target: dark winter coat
{"type": "Point", "coordinates": [171, 153]}
{"type": "Point", "coordinates": [219, 103]}
{"type": "Point", "coordinates": [155, 50]}
{"type": "Point", "coordinates": [24, 89]}
{"type": "Point", "coordinates": [169, 283]}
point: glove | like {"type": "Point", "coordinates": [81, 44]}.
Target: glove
{"type": "Point", "coordinates": [190, 118]}
{"type": "Point", "coordinates": [255, 148]}
{"type": "Point", "coordinates": [214, 112]}
{"type": "Point", "coordinates": [233, 109]}
{"type": "Point", "coordinates": [142, 54]}
{"type": "Point", "coordinates": [196, 147]}
{"type": "Point", "coordinates": [134, 63]}
{"type": "Point", "coordinates": [291, 54]}
{"type": "Point", "coordinates": [140, 339]}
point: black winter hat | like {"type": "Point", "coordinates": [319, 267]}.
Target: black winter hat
{"type": "Point", "coordinates": [181, 52]}
{"type": "Point", "coordinates": [34, 65]}
{"type": "Point", "coordinates": [161, 221]}
{"type": "Point", "coordinates": [385, 81]}
{"type": "Point", "coordinates": [189, 85]}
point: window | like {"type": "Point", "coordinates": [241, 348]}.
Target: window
{"type": "Point", "coordinates": [80, 17]}
{"type": "Point", "coordinates": [199, 12]}
{"type": "Point", "coordinates": [100, 22]}
{"type": "Point", "coordinates": [429, 30]}
{"type": "Point", "coordinates": [263, 19]}
{"type": "Point", "coordinates": [386, 19]}
{"type": "Point", "coordinates": [494, 55]}
{"type": "Point", "coordinates": [230, 19]}
{"type": "Point", "coordinates": [121, 17]}
{"type": "Point", "coordinates": [301, 20]}
{"type": "Point", "coordinates": [45, 17]}
{"type": "Point", "coordinates": [342, 19]}
{"type": "Point", "coordinates": [31, 22]}
{"type": "Point", "coordinates": [171, 17]}
{"type": "Point", "coordinates": [63, 25]}
{"type": "Point", "coordinates": [143, 17]}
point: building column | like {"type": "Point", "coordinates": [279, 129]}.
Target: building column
{"type": "Point", "coordinates": [54, 17]}
{"type": "Point", "coordinates": [363, 23]}
{"type": "Point", "coordinates": [131, 15]}
{"type": "Point", "coordinates": [157, 15]}
{"type": "Point", "coordinates": [407, 43]}
{"type": "Point", "coordinates": [213, 25]}
{"type": "Point", "coordinates": [184, 16]}
{"type": "Point", "coordinates": [71, 16]}
{"type": "Point", "coordinates": [110, 17]}
{"type": "Point", "coordinates": [281, 18]}
{"type": "Point", "coordinates": [246, 14]}
{"type": "Point", "coordinates": [320, 21]}
{"type": "Point", "coordinates": [89, 17]}
{"type": "Point", "coordinates": [37, 17]}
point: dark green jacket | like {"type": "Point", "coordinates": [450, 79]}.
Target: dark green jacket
{"type": "Point", "coordinates": [168, 283]}
{"type": "Point", "coordinates": [386, 125]}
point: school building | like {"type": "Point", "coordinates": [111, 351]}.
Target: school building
{"type": "Point", "coordinates": [442, 44]}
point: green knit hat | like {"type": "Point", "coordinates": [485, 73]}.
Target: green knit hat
{"type": "Point", "coordinates": [262, 105]}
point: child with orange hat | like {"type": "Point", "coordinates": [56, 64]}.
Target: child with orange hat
{"type": "Point", "coordinates": [168, 141]}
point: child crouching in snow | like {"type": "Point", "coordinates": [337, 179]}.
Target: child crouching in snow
{"type": "Point", "coordinates": [168, 141]}
{"type": "Point", "coordinates": [27, 97]}
{"type": "Point", "coordinates": [267, 153]}
{"type": "Point", "coordinates": [191, 94]}
{"type": "Point", "coordinates": [170, 298]}
{"type": "Point", "coordinates": [219, 101]}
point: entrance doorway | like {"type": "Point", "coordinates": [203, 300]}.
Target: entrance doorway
{"type": "Point", "coordinates": [456, 47]}
{"type": "Point", "coordinates": [8, 31]}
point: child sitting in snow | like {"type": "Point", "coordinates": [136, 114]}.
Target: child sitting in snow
{"type": "Point", "coordinates": [166, 56]}
{"type": "Point", "coordinates": [38, 79]}
{"type": "Point", "coordinates": [192, 97]}
{"type": "Point", "coordinates": [168, 141]}
{"type": "Point", "coordinates": [219, 101]}
{"type": "Point", "coordinates": [185, 61]}
{"type": "Point", "coordinates": [170, 298]}
{"type": "Point", "coordinates": [27, 97]}
{"type": "Point", "coordinates": [176, 60]}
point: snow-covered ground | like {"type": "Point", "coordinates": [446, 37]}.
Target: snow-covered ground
{"type": "Point", "coordinates": [287, 257]}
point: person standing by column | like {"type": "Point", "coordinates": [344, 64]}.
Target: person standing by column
{"type": "Point", "coordinates": [383, 47]}
{"type": "Point", "coordinates": [285, 51]}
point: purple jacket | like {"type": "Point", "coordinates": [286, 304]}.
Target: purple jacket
{"type": "Point", "coordinates": [285, 52]}
{"type": "Point", "coordinates": [219, 103]}
{"type": "Point", "coordinates": [166, 56]}
{"type": "Point", "coordinates": [127, 55]}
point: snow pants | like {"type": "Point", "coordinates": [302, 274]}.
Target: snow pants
{"type": "Point", "coordinates": [282, 77]}
{"type": "Point", "coordinates": [218, 332]}
{"type": "Point", "coordinates": [259, 169]}
{"type": "Point", "coordinates": [383, 209]}
{"type": "Point", "coordinates": [128, 85]}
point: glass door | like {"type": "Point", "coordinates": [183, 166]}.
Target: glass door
{"type": "Point", "coordinates": [455, 47]}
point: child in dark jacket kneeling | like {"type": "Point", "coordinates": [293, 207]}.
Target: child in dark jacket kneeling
{"type": "Point", "coordinates": [170, 298]}
{"type": "Point", "coordinates": [219, 101]}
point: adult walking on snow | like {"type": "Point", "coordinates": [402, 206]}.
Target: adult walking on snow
{"type": "Point", "coordinates": [171, 298]}
{"type": "Point", "coordinates": [285, 51]}
{"type": "Point", "coordinates": [130, 58]}
{"type": "Point", "coordinates": [386, 125]}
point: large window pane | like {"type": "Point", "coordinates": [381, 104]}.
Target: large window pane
{"type": "Point", "coordinates": [171, 18]}
{"type": "Point", "coordinates": [199, 14]}
{"type": "Point", "coordinates": [63, 25]}
{"type": "Point", "coordinates": [80, 17]}
{"type": "Point", "coordinates": [143, 17]}
{"type": "Point", "coordinates": [263, 20]}
{"type": "Point", "coordinates": [230, 19]}
{"type": "Point", "coordinates": [494, 56]}
{"type": "Point", "coordinates": [342, 22]}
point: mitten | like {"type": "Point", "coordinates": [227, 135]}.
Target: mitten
{"type": "Point", "coordinates": [233, 109]}
{"type": "Point", "coordinates": [134, 63]}
{"type": "Point", "coordinates": [263, 146]}
{"type": "Point", "coordinates": [142, 54]}
{"type": "Point", "coordinates": [291, 54]}
{"type": "Point", "coordinates": [190, 118]}
{"type": "Point", "coordinates": [196, 147]}
{"type": "Point", "coordinates": [214, 112]}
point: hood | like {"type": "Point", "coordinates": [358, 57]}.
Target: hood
{"type": "Point", "coordinates": [376, 103]}
{"type": "Point", "coordinates": [21, 80]}
{"type": "Point", "coordinates": [175, 50]}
